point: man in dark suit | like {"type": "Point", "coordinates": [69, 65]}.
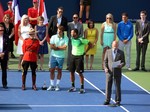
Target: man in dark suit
{"type": "Point", "coordinates": [3, 55]}
{"type": "Point", "coordinates": [57, 20]}
{"type": "Point", "coordinates": [142, 29]}
{"type": "Point", "coordinates": [113, 73]}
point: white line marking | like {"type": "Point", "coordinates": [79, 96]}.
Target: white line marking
{"type": "Point", "coordinates": [13, 105]}
{"type": "Point", "coordinates": [102, 92]}
{"type": "Point", "coordinates": [136, 84]}
{"type": "Point", "coordinates": [65, 105]}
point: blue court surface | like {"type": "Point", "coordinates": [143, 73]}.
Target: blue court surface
{"type": "Point", "coordinates": [13, 99]}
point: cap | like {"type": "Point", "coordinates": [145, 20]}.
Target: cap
{"type": "Point", "coordinates": [9, 2]}
{"type": "Point", "coordinates": [35, 1]}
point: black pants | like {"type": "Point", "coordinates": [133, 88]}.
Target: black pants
{"type": "Point", "coordinates": [4, 71]}
{"type": "Point", "coordinates": [141, 48]}
{"type": "Point", "coordinates": [25, 66]}
{"type": "Point", "coordinates": [11, 44]}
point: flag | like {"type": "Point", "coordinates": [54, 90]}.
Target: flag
{"type": "Point", "coordinates": [15, 7]}
{"type": "Point", "coordinates": [1, 12]}
{"type": "Point", "coordinates": [42, 11]}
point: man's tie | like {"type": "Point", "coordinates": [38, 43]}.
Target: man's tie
{"type": "Point", "coordinates": [115, 50]}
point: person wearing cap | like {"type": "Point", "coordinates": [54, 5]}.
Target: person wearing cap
{"type": "Point", "coordinates": [3, 55]}
{"type": "Point", "coordinates": [9, 11]}
{"type": "Point", "coordinates": [30, 50]}
{"type": "Point", "coordinates": [33, 13]}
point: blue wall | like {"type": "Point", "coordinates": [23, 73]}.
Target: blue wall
{"type": "Point", "coordinates": [99, 8]}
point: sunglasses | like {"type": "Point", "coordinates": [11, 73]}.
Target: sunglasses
{"type": "Point", "coordinates": [75, 17]}
{"type": "Point", "coordinates": [109, 18]}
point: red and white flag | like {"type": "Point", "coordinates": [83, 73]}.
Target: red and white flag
{"type": "Point", "coordinates": [42, 11]}
{"type": "Point", "coordinates": [1, 12]}
{"type": "Point", "coordinates": [15, 7]}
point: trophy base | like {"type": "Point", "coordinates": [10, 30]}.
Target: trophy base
{"type": "Point", "coordinates": [44, 88]}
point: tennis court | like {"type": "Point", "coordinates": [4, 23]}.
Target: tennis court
{"type": "Point", "coordinates": [134, 97]}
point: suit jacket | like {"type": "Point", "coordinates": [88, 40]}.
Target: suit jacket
{"type": "Point", "coordinates": [142, 32]}
{"type": "Point", "coordinates": [52, 25]}
{"type": "Point", "coordinates": [71, 27]}
{"type": "Point", "coordinates": [5, 46]}
{"type": "Point", "coordinates": [108, 60]}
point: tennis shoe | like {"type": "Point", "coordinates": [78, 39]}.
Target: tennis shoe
{"type": "Point", "coordinates": [51, 88]}
{"type": "Point", "coordinates": [72, 89]}
{"type": "Point", "coordinates": [57, 88]}
{"type": "Point", "coordinates": [129, 69]}
{"type": "Point", "coordinates": [82, 91]}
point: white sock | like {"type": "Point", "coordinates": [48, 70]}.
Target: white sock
{"type": "Point", "coordinates": [57, 82]}
{"type": "Point", "coordinates": [52, 82]}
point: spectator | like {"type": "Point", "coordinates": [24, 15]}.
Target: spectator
{"type": "Point", "coordinates": [23, 33]}
{"type": "Point", "coordinates": [3, 55]}
{"type": "Point", "coordinates": [30, 49]}
{"type": "Point", "coordinates": [113, 73]}
{"type": "Point", "coordinates": [108, 34]}
{"type": "Point", "coordinates": [84, 4]}
{"type": "Point", "coordinates": [73, 25]}
{"type": "Point", "coordinates": [42, 35]}
{"type": "Point", "coordinates": [58, 44]}
{"type": "Point", "coordinates": [9, 11]}
{"type": "Point", "coordinates": [77, 59]}
{"type": "Point", "coordinates": [142, 29]}
{"type": "Point", "coordinates": [57, 20]}
{"type": "Point", "coordinates": [91, 33]}
{"type": "Point", "coordinates": [125, 34]}
{"type": "Point", "coordinates": [9, 31]}
{"type": "Point", "coordinates": [33, 13]}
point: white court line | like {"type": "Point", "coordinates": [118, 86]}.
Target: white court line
{"type": "Point", "coordinates": [65, 105]}
{"type": "Point", "coordinates": [14, 106]}
{"type": "Point", "coordinates": [136, 84]}
{"type": "Point", "coordinates": [102, 92]}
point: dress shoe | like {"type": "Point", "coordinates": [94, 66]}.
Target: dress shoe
{"type": "Point", "coordinates": [129, 69]}
{"type": "Point", "coordinates": [117, 103]}
{"type": "Point", "coordinates": [12, 55]}
{"type": "Point", "coordinates": [143, 69]}
{"type": "Point", "coordinates": [5, 86]}
{"type": "Point", "coordinates": [135, 69]}
{"type": "Point", "coordinates": [67, 68]}
{"type": "Point", "coordinates": [23, 87]}
{"type": "Point", "coordinates": [106, 103]}
{"type": "Point", "coordinates": [34, 87]}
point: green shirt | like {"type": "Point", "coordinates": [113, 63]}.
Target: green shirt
{"type": "Point", "coordinates": [58, 42]}
{"type": "Point", "coordinates": [78, 46]}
